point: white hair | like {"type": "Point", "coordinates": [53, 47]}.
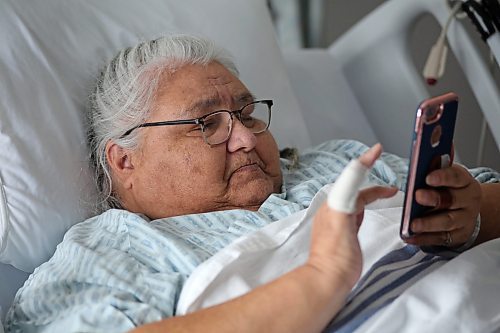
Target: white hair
{"type": "Point", "coordinates": [124, 93]}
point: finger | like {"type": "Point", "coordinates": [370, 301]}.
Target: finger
{"type": "Point", "coordinates": [446, 238]}
{"type": "Point", "coordinates": [439, 199]}
{"type": "Point", "coordinates": [344, 193]}
{"type": "Point", "coordinates": [455, 176]}
{"type": "Point", "coordinates": [359, 218]}
{"type": "Point", "coordinates": [446, 221]}
{"type": "Point", "coordinates": [445, 198]}
{"type": "Point", "coordinates": [371, 194]}
{"type": "Point", "coordinates": [369, 157]}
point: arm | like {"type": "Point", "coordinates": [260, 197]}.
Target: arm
{"type": "Point", "coordinates": [307, 298]}
{"type": "Point", "coordinates": [300, 301]}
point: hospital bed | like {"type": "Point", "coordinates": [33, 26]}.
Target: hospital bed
{"type": "Point", "coordinates": [52, 50]}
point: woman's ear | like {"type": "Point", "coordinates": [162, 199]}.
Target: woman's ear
{"type": "Point", "coordinates": [120, 162]}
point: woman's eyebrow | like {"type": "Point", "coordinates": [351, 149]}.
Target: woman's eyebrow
{"type": "Point", "coordinates": [246, 97]}
{"type": "Point", "coordinates": [201, 104]}
{"type": "Point", "coordinates": [209, 102]}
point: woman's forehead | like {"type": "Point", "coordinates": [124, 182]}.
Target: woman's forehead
{"type": "Point", "coordinates": [208, 102]}
{"type": "Point", "coordinates": [194, 89]}
{"type": "Point", "coordinates": [199, 77]}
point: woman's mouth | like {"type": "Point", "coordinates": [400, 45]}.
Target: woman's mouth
{"type": "Point", "coordinates": [248, 168]}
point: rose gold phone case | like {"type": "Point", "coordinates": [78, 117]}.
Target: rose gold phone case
{"type": "Point", "coordinates": [432, 144]}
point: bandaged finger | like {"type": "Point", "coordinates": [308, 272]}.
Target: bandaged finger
{"type": "Point", "coordinates": [344, 193]}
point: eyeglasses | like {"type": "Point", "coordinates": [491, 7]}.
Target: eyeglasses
{"type": "Point", "coordinates": [216, 126]}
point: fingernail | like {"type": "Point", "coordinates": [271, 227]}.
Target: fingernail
{"type": "Point", "coordinates": [427, 199]}
{"type": "Point", "coordinates": [431, 179]}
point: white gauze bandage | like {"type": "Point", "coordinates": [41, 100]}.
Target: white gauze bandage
{"type": "Point", "coordinates": [344, 192]}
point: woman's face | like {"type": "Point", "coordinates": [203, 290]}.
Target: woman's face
{"type": "Point", "coordinates": [174, 172]}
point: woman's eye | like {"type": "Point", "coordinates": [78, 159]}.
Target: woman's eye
{"type": "Point", "coordinates": [210, 124]}
{"type": "Point", "coordinates": [195, 131]}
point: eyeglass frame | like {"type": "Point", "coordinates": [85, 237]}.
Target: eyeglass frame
{"type": "Point", "coordinates": [200, 121]}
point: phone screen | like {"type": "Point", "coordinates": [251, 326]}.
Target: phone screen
{"type": "Point", "coordinates": [431, 149]}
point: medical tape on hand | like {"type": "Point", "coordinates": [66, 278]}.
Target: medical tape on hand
{"type": "Point", "coordinates": [344, 192]}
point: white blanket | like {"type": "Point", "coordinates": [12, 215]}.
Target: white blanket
{"type": "Point", "coordinates": [461, 295]}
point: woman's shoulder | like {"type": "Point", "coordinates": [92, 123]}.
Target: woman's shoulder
{"type": "Point", "coordinates": [346, 147]}
{"type": "Point", "coordinates": [105, 225]}
{"type": "Point", "coordinates": [332, 152]}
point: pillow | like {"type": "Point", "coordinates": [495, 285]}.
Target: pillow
{"type": "Point", "coordinates": [51, 54]}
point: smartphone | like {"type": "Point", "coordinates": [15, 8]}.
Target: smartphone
{"type": "Point", "coordinates": [431, 149]}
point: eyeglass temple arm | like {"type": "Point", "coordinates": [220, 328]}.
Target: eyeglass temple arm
{"type": "Point", "coordinates": [163, 123]}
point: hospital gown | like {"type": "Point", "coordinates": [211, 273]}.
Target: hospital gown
{"type": "Point", "coordinates": [119, 270]}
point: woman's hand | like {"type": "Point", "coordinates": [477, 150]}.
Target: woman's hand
{"type": "Point", "coordinates": [456, 197]}
{"type": "Point", "coordinates": [335, 249]}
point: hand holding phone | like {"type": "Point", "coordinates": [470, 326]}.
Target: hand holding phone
{"type": "Point", "coordinates": [431, 149]}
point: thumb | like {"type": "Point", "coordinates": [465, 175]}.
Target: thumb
{"type": "Point", "coordinates": [344, 193]}
{"type": "Point", "coordinates": [369, 157]}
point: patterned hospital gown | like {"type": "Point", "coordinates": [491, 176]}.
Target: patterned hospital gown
{"type": "Point", "coordinates": [118, 270]}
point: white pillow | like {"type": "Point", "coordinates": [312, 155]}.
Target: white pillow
{"type": "Point", "coordinates": [52, 51]}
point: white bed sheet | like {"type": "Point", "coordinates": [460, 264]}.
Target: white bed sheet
{"type": "Point", "coordinates": [463, 295]}
{"type": "Point", "coordinates": [460, 295]}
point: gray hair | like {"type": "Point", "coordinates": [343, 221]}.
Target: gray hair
{"type": "Point", "coordinates": [124, 94]}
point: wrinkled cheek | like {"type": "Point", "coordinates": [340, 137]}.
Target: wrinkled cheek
{"type": "Point", "coordinates": [278, 182]}
{"type": "Point", "coordinates": [195, 171]}
{"type": "Point", "coordinates": [269, 153]}
{"type": "Point", "coordinates": [206, 169]}
{"type": "Point", "coordinates": [191, 165]}
{"type": "Point", "coordinates": [274, 171]}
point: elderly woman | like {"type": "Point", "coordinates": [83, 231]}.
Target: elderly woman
{"type": "Point", "coordinates": [186, 164]}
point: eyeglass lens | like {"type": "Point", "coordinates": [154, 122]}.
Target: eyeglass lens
{"type": "Point", "coordinates": [217, 127]}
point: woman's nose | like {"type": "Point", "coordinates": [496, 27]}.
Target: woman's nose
{"type": "Point", "coordinates": [241, 138]}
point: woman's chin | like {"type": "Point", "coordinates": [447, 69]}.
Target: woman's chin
{"type": "Point", "coordinates": [251, 193]}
